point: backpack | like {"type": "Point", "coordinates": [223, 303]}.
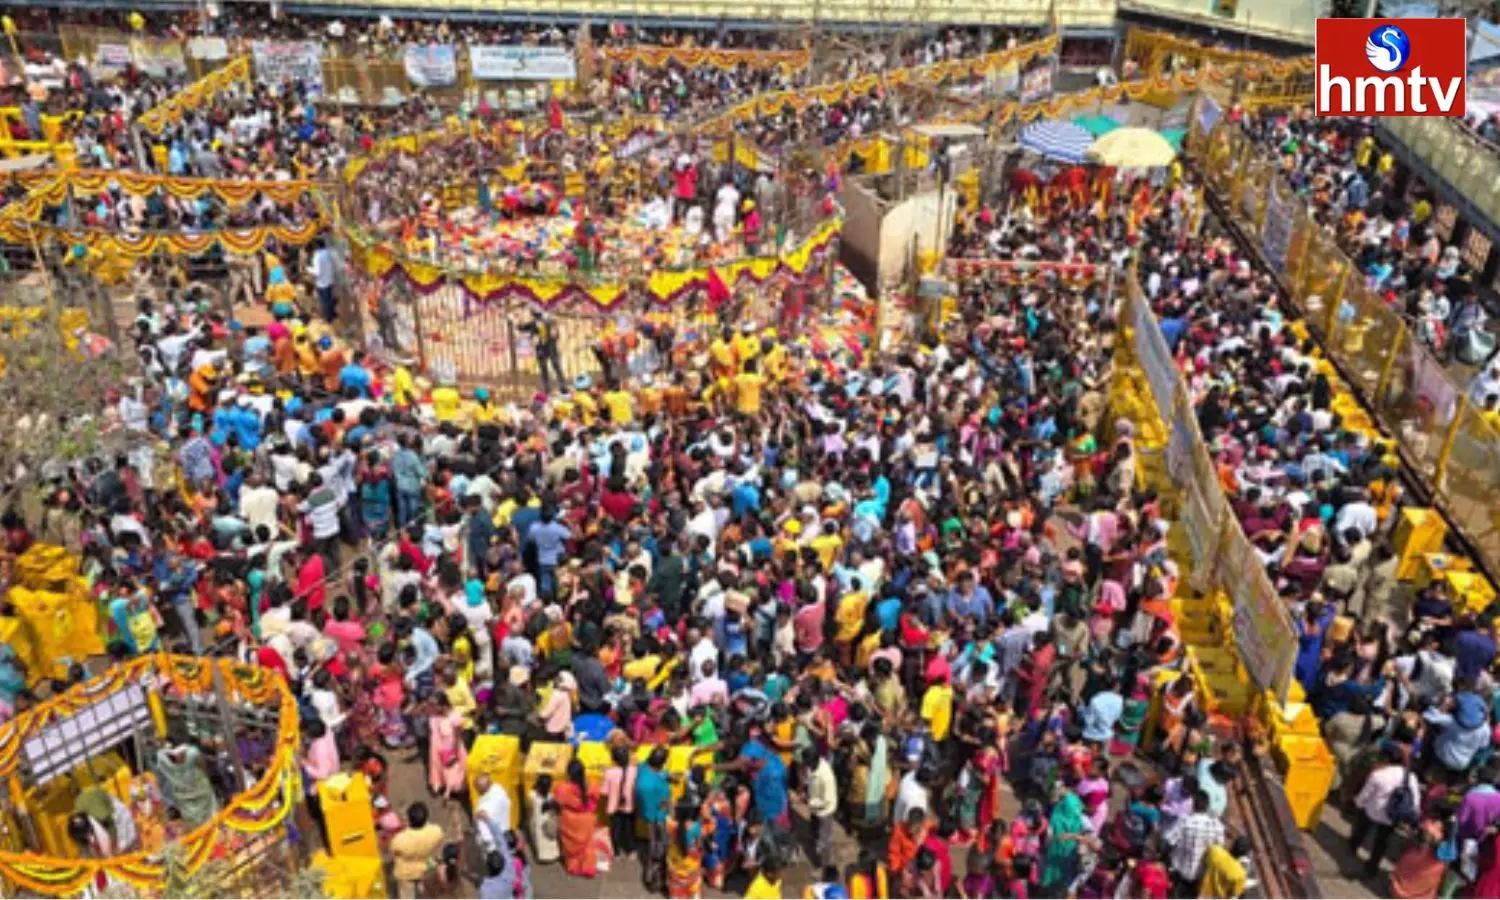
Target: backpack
{"type": "Point", "coordinates": [1401, 805]}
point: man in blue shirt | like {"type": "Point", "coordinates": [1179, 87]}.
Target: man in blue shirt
{"type": "Point", "coordinates": [1474, 650]}
{"type": "Point", "coordinates": [653, 799]}
{"type": "Point", "coordinates": [427, 651]}
{"type": "Point", "coordinates": [410, 472]}
{"type": "Point", "coordinates": [969, 602]}
{"type": "Point", "coordinates": [355, 375]}
{"type": "Point", "coordinates": [767, 775]}
{"type": "Point", "coordinates": [550, 538]}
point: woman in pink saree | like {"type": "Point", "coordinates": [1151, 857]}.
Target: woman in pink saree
{"type": "Point", "coordinates": [447, 758]}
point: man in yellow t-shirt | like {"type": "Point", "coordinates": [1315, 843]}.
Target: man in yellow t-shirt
{"type": "Point", "coordinates": [937, 709]}
{"type": "Point", "coordinates": [414, 850]}
{"type": "Point", "coordinates": [775, 359]}
{"type": "Point", "coordinates": [642, 668]}
{"type": "Point", "coordinates": [721, 355]}
{"type": "Point", "coordinates": [850, 615]}
{"type": "Point", "coordinates": [747, 387]}
{"type": "Point", "coordinates": [1363, 150]}
{"type": "Point", "coordinates": [403, 387]}
{"type": "Point", "coordinates": [767, 883]}
{"type": "Point", "coordinates": [619, 403]}
{"type": "Point", "coordinates": [445, 402]}
{"type": "Point", "coordinates": [648, 397]}
{"type": "Point", "coordinates": [828, 544]}
{"type": "Point", "coordinates": [747, 345]}
{"type": "Point", "coordinates": [1224, 876]}
{"type": "Point", "coordinates": [583, 401]}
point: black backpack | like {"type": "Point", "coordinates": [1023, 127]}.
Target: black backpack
{"type": "Point", "coordinates": [1401, 807]}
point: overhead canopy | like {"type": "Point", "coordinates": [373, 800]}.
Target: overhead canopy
{"type": "Point", "coordinates": [1132, 148]}
{"type": "Point", "coordinates": [957, 131]}
{"type": "Point", "coordinates": [1062, 141]}
{"type": "Point", "coordinates": [1097, 125]}
{"type": "Point", "coordinates": [1174, 137]}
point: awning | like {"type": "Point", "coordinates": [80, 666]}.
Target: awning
{"type": "Point", "coordinates": [1062, 141]}
{"type": "Point", "coordinates": [1097, 125]}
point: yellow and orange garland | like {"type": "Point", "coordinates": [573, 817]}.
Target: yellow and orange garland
{"type": "Point", "coordinates": [171, 111]}
{"type": "Point", "coordinates": [788, 61]}
{"type": "Point", "coordinates": [265, 806]}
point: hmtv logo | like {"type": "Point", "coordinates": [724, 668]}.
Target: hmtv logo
{"type": "Point", "coordinates": [1391, 67]}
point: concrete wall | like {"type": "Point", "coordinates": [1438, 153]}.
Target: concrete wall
{"type": "Point", "coordinates": [919, 217]}
{"type": "Point", "coordinates": [859, 245]}
{"type": "Point", "coordinates": [876, 246]}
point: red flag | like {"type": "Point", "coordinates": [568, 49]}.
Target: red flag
{"type": "Point", "coordinates": [718, 291]}
{"type": "Point", "coordinates": [554, 115]}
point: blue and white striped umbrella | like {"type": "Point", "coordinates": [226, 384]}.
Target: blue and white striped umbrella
{"type": "Point", "coordinates": [1062, 141]}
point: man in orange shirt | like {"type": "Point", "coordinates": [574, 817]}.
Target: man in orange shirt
{"type": "Point", "coordinates": [331, 361]}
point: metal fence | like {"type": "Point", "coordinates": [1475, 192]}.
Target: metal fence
{"type": "Point", "coordinates": [1410, 393]}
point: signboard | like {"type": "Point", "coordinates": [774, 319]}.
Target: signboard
{"type": "Point", "coordinates": [1263, 630]}
{"type": "Point", "coordinates": [1005, 81]}
{"type": "Point", "coordinates": [1209, 113]}
{"type": "Point", "coordinates": [512, 62]}
{"type": "Point", "coordinates": [432, 65]}
{"type": "Point", "coordinates": [1155, 359]}
{"type": "Point", "coordinates": [158, 57]}
{"type": "Point", "coordinates": [1037, 83]}
{"type": "Point", "coordinates": [280, 61]}
{"type": "Point", "coordinates": [58, 749]}
{"type": "Point", "coordinates": [208, 48]}
{"type": "Point", "coordinates": [112, 56]}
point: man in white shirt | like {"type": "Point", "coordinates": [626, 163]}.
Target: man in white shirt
{"type": "Point", "coordinates": [1374, 802]}
{"type": "Point", "coordinates": [704, 653]}
{"type": "Point", "coordinates": [492, 814]}
{"type": "Point", "coordinates": [822, 803]}
{"type": "Point", "coordinates": [325, 701]}
{"type": "Point", "coordinates": [258, 502]}
{"type": "Point", "coordinates": [911, 795]}
{"type": "Point", "coordinates": [1357, 514]}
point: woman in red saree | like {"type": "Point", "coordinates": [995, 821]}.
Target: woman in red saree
{"type": "Point", "coordinates": [578, 818]}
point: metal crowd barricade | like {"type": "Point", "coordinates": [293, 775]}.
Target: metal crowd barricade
{"type": "Point", "coordinates": [1408, 392]}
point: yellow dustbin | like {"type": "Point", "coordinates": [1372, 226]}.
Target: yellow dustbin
{"type": "Point", "coordinates": [1418, 531]}
{"type": "Point", "coordinates": [351, 877]}
{"type": "Point", "coordinates": [546, 759]}
{"type": "Point", "coordinates": [595, 758]}
{"type": "Point", "coordinates": [499, 757]}
{"type": "Point", "coordinates": [1308, 772]}
{"type": "Point", "coordinates": [1472, 592]}
{"type": "Point", "coordinates": [349, 816]}
{"type": "Point", "coordinates": [1434, 566]}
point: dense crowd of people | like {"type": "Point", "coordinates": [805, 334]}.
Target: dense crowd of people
{"type": "Point", "coordinates": [918, 596]}
{"type": "Point", "coordinates": [895, 598]}
{"type": "Point", "coordinates": [1403, 684]}
{"type": "Point", "coordinates": [1391, 234]}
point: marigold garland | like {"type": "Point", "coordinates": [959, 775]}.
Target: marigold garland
{"type": "Point", "coordinates": [265, 806]}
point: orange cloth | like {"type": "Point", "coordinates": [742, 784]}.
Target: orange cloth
{"type": "Point", "coordinates": [576, 822]}
{"type": "Point", "coordinates": [904, 847]}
